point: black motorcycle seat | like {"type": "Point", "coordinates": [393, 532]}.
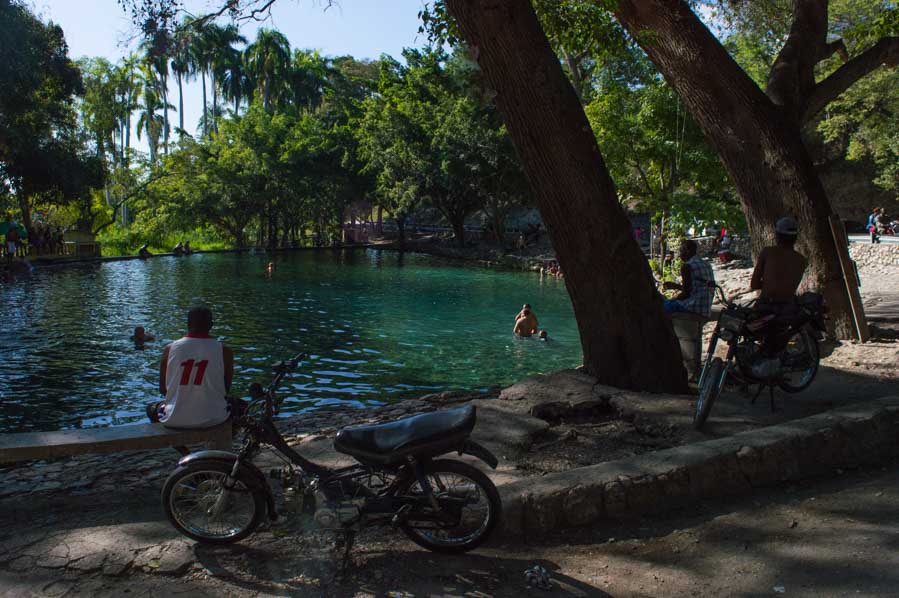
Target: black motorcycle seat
{"type": "Point", "coordinates": [392, 441]}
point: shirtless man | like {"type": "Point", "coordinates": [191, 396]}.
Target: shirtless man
{"type": "Point", "coordinates": [525, 322]}
{"type": "Point", "coordinates": [779, 268]}
{"type": "Point", "coordinates": [778, 272]}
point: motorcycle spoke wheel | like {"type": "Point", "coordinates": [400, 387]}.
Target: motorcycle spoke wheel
{"type": "Point", "coordinates": [799, 363]}
{"type": "Point", "coordinates": [469, 508]}
{"type": "Point", "coordinates": [712, 381]}
{"type": "Point", "coordinates": [200, 507]}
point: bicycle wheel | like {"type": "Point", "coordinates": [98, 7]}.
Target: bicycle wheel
{"type": "Point", "coordinates": [799, 362]}
{"type": "Point", "coordinates": [712, 382]}
{"type": "Point", "coordinates": [464, 492]}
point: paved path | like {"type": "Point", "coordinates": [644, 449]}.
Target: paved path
{"type": "Point", "coordinates": [832, 538]}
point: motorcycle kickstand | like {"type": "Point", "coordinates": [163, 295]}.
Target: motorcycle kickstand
{"type": "Point", "coordinates": [757, 393]}
{"type": "Point", "coordinates": [349, 536]}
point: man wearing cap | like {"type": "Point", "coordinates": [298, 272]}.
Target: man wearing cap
{"type": "Point", "coordinates": [779, 268]}
{"type": "Point", "coordinates": [778, 272]}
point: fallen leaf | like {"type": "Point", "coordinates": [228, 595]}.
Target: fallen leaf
{"type": "Point", "coordinates": [153, 564]}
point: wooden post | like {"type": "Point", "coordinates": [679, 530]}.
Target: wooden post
{"type": "Point", "coordinates": [850, 277]}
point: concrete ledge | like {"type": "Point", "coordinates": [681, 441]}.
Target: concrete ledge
{"type": "Point", "coordinates": [662, 480]}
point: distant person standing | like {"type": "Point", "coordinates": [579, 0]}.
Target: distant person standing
{"type": "Point", "coordinates": [12, 239]}
{"type": "Point", "coordinates": [525, 322]}
{"type": "Point", "coordinates": [873, 219]}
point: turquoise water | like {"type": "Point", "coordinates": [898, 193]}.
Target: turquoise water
{"type": "Point", "coordinates": [378, 327]}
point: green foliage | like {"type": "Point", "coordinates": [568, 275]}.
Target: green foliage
{"type": "Point", "coordinates": [654, 150]}
{"type": "Point", "coordinates": [427, 136]}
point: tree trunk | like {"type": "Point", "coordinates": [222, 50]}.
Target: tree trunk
{"type": "Point", "coordinates": [180, 107]}
{"type": "Point", "coordinates": [627, 340]}
{"type": "Point", "coordinates": [401, 230]}
{"type": "Point", "coordinates": [214, 100]}
{"type": "Point", "coordinates": [165, 114]}
{"type": "Point", "coordinates": [205, 117]}
{"type": "Point", "coordinates": [458, 224]}
{"type": "Point", "coordinates": [759, 145]}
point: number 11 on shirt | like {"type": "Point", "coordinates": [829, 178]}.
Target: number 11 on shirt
{"type": "Point", "coordinates": [188, 366]}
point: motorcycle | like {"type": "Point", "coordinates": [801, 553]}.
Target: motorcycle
{"type": "Point", "coordinates": [444, 505]}
{"type": "Point", "coordinates": [744, 328]}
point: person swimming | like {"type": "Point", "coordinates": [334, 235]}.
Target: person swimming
{"type": "Point", "coordinates": [140, 336]}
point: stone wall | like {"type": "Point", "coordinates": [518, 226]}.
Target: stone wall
{"type": "Point", "coordinates": [869, 254]}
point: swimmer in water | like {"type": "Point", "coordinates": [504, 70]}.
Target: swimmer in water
{"type": "Point", "coordinates": [140, 336]}
{"type": "Point", "coordinates": [270, 268]}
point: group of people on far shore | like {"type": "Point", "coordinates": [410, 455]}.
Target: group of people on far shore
{"type": "Point", "coordinates": [879, 224]}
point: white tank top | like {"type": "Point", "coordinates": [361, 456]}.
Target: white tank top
{"type": "Point", "coordinates": [195, 384]}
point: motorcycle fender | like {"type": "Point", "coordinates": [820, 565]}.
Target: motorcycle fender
{"type": "Point", "coordinates": [476, 450]}
{"type": "Point", "coordinates": [251, 473]}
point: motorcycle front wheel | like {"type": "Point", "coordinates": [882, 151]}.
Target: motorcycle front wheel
{"type": "Point", "coordinates": [709, 389]}
{"type": "Point", "coordinates": [466, 495]}
{"type": "Point", "coordinates": [799, 362]}
{"type": "Point", "coordinates": [197, 503]}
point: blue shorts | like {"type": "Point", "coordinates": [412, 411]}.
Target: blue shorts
{"type": "Point", "coordinates": [674, 305]}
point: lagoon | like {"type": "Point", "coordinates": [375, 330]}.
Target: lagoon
{"type": "Point", "coordinates": [378, 327]}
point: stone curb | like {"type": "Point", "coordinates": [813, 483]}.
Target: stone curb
{"type": "Point", "coordinates": [671, 478]}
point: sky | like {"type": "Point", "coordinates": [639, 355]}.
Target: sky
{"type": "Point", "coordinates": [361, 28]}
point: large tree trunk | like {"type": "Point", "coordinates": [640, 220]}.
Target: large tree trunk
{"type": "Point", "coordinates": [627, 340]}
{"type": "Point", "coordinates": [759, 144]}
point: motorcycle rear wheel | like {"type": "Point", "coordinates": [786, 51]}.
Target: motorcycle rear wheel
{"type": "Point", "coordinates": [802, 345]}
{"type": "Point", "coordinates": [712, 381]}
{"type": "Point", "coordinates": [449, 478]}
{"type": "Point", "coordinates": [195, 503]}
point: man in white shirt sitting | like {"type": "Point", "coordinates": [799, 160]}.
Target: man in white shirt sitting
{"type": "Point", "coordinates": [194, 376]}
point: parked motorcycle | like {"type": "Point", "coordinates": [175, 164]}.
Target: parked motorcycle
{"type": "Point", "coordinates": [444, 505]}
{"type": "Point", "coordinates": [744, 328]}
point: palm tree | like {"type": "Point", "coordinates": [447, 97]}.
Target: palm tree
{"type": "Point", "coordinates": [267, 60]}
{"type": "Point", "coordinates": [307, 78]}
{"type": "Point", "coordinates": [220, 46]}
{"type": "Point", "coordinates": [129, 88]}
{"type": "Point", "coordinates": [233, 79]}
{"type": "Point", "coordinates": [181, 66]}
{"type": "Point", "coordinates": [148, 120]}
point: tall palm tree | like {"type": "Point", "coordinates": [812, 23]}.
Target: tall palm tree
{"type": "Point", "coordinates": [220, 46]}
{"type": "Point", "coordinates": [233, 79]}
{"type": "Point", "coordinates": [129, 88]}
{"type": "Point", "coordinates": [159, 63]}
{"type": "Point", "coordinates": [148, 120]}
{"type": "Point", "coordinates": [267, 60]}
{"type": "Point", "coordinates": [196, 44]}
{"type": "Point", "coordinates": [181, 65]}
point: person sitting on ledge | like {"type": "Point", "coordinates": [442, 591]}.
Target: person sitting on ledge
{"type": "Point", "coordinates": [178, 250]}
{"type": "Point", "coordinates": [187, 249]}
{"type": "Point", "coordinates": [195, 375]}
{"type": "Point", "coordinates": [140, 337]}
{"type": "Point", "coordinates": [697, 288]}
{"type": "Point", "coordinates": [144, 252]}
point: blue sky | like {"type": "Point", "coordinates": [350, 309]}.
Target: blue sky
{"type": "Point", "coordinates": [361, 28]}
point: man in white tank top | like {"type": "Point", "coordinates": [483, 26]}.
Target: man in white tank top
{"type": "Point", "coordinates": [194, 376]}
